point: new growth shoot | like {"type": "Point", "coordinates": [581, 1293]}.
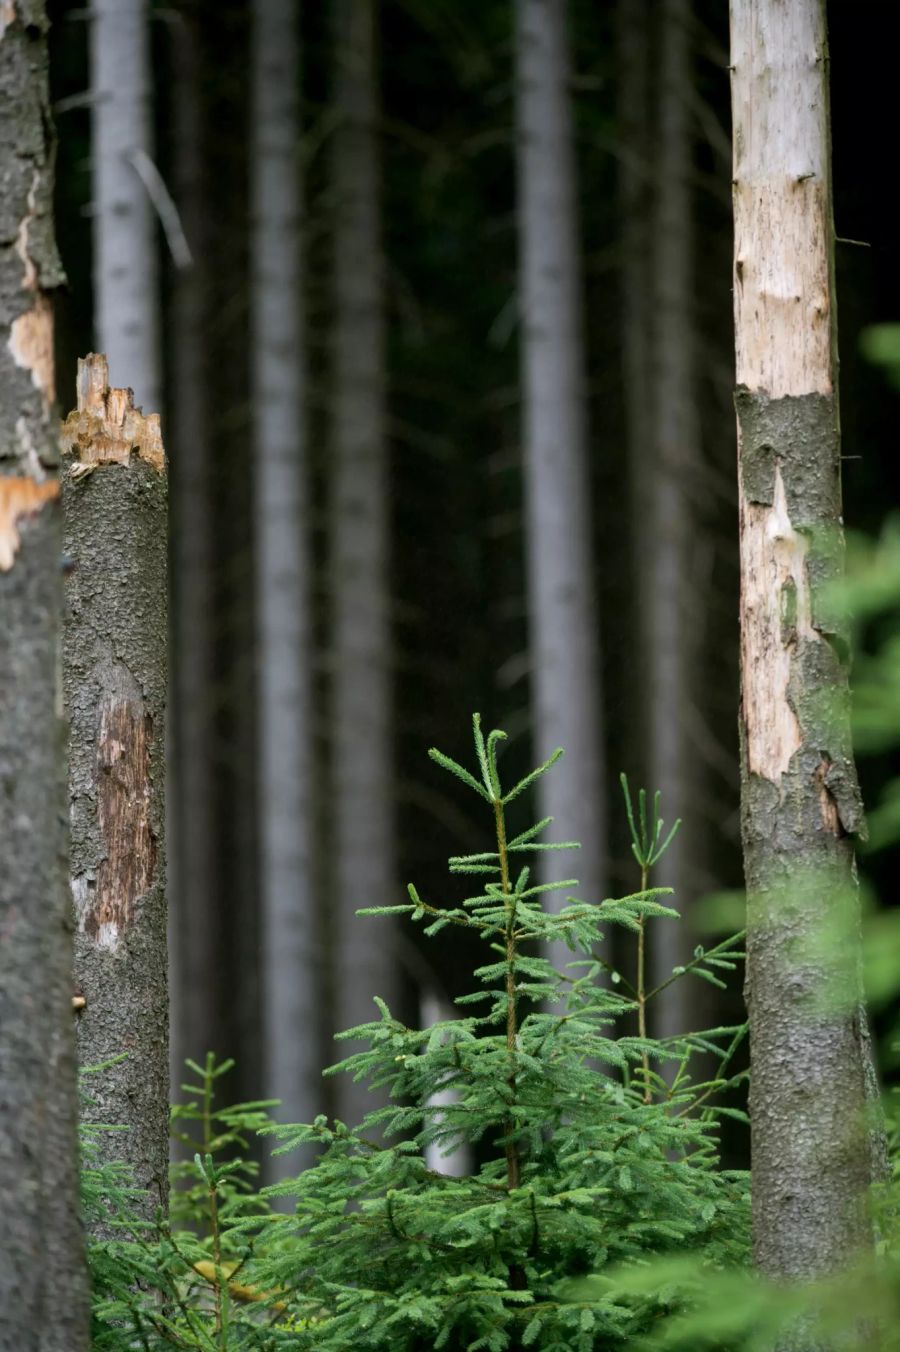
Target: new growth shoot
{"type": "Point", "coordinates": [648, 845]}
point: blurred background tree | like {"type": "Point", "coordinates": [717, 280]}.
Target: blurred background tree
{"type": "Point", "coordinates": [413, 334]}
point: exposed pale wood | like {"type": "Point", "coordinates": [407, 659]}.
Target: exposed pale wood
{"type": "Point", "coordinates": [782, 205]}
{"type": "Point", "coordinates": [106, 428]}
{"type": "Point", "coordinates": [773, 570]}
{"type": "Point", "coordinates": [20, 498]}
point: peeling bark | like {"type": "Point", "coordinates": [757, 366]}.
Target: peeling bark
{"type": "Point", "coordinates": [43, 1274]}
{"type": "Point", "coordinates": [813, 1154]}
{"type": "Point", "coordinates": [114, 674]}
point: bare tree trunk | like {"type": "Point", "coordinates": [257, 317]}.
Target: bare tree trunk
{"type": "Point", "coordinates": [800, 802]}
{"type": "Point", "coordinates": [125, 288]}
{"type": "Point", "coordinates": [561, 606]}
{"type": "Point", "coordinates": [291, 961]}
{"type": "Point", "coordinates": [669, 605]}
{"type": "Point", "coordinates": [635, 208]}
{"type": "Point", "coordinates": [114, 680]}
{"type": "Point", "coordinates": [362, 772]}
{"type": "Point", "coordinates": [43, 1274]}
{"type": "Point", "coordinates": [193, 920]}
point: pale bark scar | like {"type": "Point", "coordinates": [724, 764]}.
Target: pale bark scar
{"type": "Point", "coordinates": [7, 15]}
{"type": "Point", "coordinates": [31, 333]}
{"type": "Point", "coordinates": [20, 497]}
{"type": "Point", "coordinates": [123, 784]}
{"type": "Point", "coordinates": [106, 428]}
{"type": "Point", "coordinates": [781, 303]}
{"type": "Point", "coordinates": [31, 345]}
{"type": "Point", "coordinates": [775, 602]}
{"type": "Point", "coordinates": [831, 815]}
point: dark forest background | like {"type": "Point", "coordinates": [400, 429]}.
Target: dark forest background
{"type": "Point", "coordinates": [458, 607]}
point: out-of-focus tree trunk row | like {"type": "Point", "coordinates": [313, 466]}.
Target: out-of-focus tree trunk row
{"type": "Point", "coordinates": [438, 346]}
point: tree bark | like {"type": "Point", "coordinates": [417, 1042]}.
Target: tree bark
{"type": "Point", "coordinates": [635, 216]}
{"type": "Point", "coordinates": [291, 957]}
{"type": "Point", "coordinates": [800, 803]}
{"type": "Point", "coordinates": [194, 937]}
{"type": "Point", "coordinates": [670, 601]}
{"type": "Point", "coordinates": [560, 569]}
{"type": "Point", "coordinates": [43, 1274]}
{"type": "Point", "coordinates": [114, 681]}
{"type": "Point", "coordinates": [362, 772]}
{"type": "Point", "coordinates": [125, 275]}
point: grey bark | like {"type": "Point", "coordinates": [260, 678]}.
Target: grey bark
{"type": "Point", "coordinates": [635, 208]}
{"type": "Point", "coordinates": [125, 275]}
{"type": "Point", "coordinates": [801, 808]}
{"type": "Point", "coordinates": [669, 606]}
{"type": "Point", "coordinates": [43, 1273]}
{"type": "Point", "coordinates": [361, 781]}
{"type": "Point", "coordinates": [192, 897]}
{"type": "Point", "coordinates": [114, 682]}
{"type": "Point", "coordinates": [291, 958]}
{"type": "Point", "coordinates": [561, 603]}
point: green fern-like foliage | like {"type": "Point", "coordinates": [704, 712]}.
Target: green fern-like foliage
{"type": "Point", "coordinates": [597, 1150]}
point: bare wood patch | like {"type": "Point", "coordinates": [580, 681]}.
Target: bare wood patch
{"type": "Point", "coordinates": [106, 428]}
{"type": "Point", "coordinates": [20, 497]}
{"type": "Point", "coordinates": [31, 345]}
{"type": "Point", "coordinates": [831, 814]}
{"type": "Point", "coordinates": [781, 191]}
{"type": "Point", "coordinates": [775, 606]}
{"type": "Point", "coordinates": [783, 319]}
{"type": "Point", "coordinates": [7, 15]}
{"type": "Point", "coordinates": [124, 790]}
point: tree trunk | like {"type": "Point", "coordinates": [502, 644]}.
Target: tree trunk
{"type": "Point", "coordinates": [114, 681]}
{"type": "Point", "coordinates": [669, 605]}
{"type": "Point", "coordinates": [43, 1274]}
{"type": "Point", "coordinates": [291, 960]}
{"type": "Point", "coordinates": [561, 606]}
{"type": "Point", "coordinates": [194, 933]}
{"type": "Point", "coordinates": [362, 775]}
{"type": "Point", "coordinates": [800, 802]}
{"type": "Point", "coordinates": [125, 295]}
{"type": "Point", "coordinates": [635, 216]}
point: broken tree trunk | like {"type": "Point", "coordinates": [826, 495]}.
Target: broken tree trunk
{"type": "Point", "coordinates": [800, 802]}
{"type": "Point", "coordinates": [114, 677]}
{"type": "Point", "coordinates": [43, 1273]}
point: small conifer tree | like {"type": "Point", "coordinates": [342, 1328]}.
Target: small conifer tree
{"type": "Point", "coordinates": [596, 1149]}
{"type": "Point", "coordinates": [591, 1158]}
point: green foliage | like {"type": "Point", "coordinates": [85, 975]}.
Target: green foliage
{"type": "Point", "coordinates": [880, 344]}
{"type": "Point", "coordinates": [596, 1151]}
